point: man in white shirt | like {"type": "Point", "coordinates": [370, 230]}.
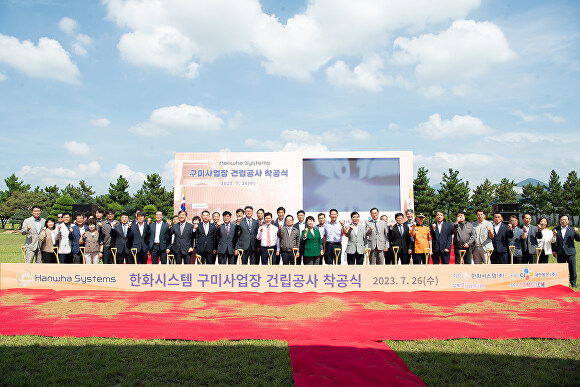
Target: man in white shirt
{"type": "Point", "coordinates": [268, 237]}
{"type": "Point", "coordinates": [483, 237]}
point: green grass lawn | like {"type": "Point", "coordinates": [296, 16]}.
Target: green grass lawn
{"type": "Point", "coordinates": [31, 360]}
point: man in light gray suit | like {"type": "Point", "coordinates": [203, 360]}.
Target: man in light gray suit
{"type": "Point", "coordinates": [355, 247]}
{"type": "Point", "coordinates": [227, 241]}
{"type": "Point", "coordinates": [31, 227]}
{"type": "Point", "coordinates": [377, 234]}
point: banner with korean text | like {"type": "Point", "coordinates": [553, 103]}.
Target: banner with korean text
{"type": "Point", "coordinates": [313, 182]}
{"type": "Point", "coordinates": [244, 278]}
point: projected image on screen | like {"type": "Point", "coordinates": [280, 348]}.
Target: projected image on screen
{"type": "Point", "coordinates": [351, 184]}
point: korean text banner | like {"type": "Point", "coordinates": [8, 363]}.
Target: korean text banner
{"type": "Point", "coordinates": [203, 278]}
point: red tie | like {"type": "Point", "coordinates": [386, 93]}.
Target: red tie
{"type": "Point", "coordinates": [228, 229]}
{"type": "Point", "coordinates": [268, 238]}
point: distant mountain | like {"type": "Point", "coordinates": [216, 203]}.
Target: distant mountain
{"type": "Point", "coordinates": [529, 180]}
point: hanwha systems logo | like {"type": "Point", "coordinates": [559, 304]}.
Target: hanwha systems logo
{"type": "Point", "coordinates": [25, 278]}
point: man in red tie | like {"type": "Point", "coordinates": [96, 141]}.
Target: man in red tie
{"type": "Point", "coordinates": [268, 237]}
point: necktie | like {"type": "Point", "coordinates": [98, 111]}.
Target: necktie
{"type": "Point", "coordinates": [228, 229]}
{"type": "Point", "coordinates": [124, 230]}
{"type": "Point", "coordinates": [249, 225]}
{"type": "Point", "coordinates": [401, 230]}
{"type": "Point", "coordinates": [268, 238]}
{"type": "Point", "coordinates": [181, 228]}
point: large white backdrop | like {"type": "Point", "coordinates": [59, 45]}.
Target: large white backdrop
{"type": "Point", "coordinates": [314, 182]}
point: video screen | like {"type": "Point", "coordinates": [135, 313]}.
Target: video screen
{"type": "Point", "coordinates": [351, 184]}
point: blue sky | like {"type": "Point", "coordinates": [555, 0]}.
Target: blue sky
{"type": "Point", "coordinates": [90, 90]}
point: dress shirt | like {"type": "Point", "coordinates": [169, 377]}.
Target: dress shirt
{"type": "Point", "coordinates": [333, 232]}
{"type": "Point", "coordinates": [268, 232]}
{"type": "Point", "coordinates": [157, 231]}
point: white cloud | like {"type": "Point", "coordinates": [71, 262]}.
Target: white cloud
{"type": "Point", "coordinates": [46, 60]}
{"type": "Point", "coordinates": [81, 43]}
{"type": "Point", "coordinates": [180, 34]}
{"type": "Point", "coordinates": [68, 25]}
{"type": "Point", "coordinates": [525, 116]}
{"type": "Point", "coordinates": [360, 135]}
{"type": "Point", "coordinates": [263, 145]}
{"type": "Point", "coordinates": [555, 119]}
{"type": "Point", "coordinates": [58, 175]}
{"type": "Point", "coordinates": [458, 126]}
{"type": "Point", "coordinates": [393, 126]}
{"type": "Point", "coordinates": [525, 139]}
{"type": "Point", "coordinates": [465, 50]}
{"type": "Point", "coordinates": [134, 178]}
{"type": "Point", "coordinates": [186, 117]}
{"type": "Point", "coordinates": [296, 147]}
{"type": "Point", "coordinates": [100, 122]}
{"type": "Point", "coordinates": [148, 129]}
{"type": "Point", "coordinates": [183, 117]}
{"type": "Point", "coordinates": [236, 120]}
{"type": "Point", "coordinates": [3, 77]}
{"type": "Point", "coordinates": [368, 75]}
{"type": "Point", "coordinates": [77, 148]}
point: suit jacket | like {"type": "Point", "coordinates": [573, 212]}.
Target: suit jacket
{"type": "Point", "coordinates": [501, 238]}
{"type": "Point", "coordinates": [311, 244]}
{"type": "Point", "coordinates": [105, 233]}
{"type": "Point", "coordinates": [246, 237]}
{"type": "Point", "coordinates": [378, 237]}
{"type": "Point", "coordinates": [565, 245]}
{"type": "Point", "coordinates": [182, 241]}
{"type": "Point", "coordinates": [278, 223]}
{"type": "Point", "coordinates": [441, 240]}
{"type": "Point", "coordinates": [403, 241]}
{"type": "Point", "coordinates": [289, 241]}
{"type": "Point", "coordinates": [32, 241]}
{"type": "Point", "coordinates": [121, 242]}
{"type": "Point", "coordinates": [516, 240]}
{"type": "Point", "coordinates": [356, 243]}
{"type": "Point", "coordinates": [531, 242]}
{"type": "Point", "coordinates": [226, 239]}
{"type": "Point", "coordinates": [74, 236]}
{"type": "Point", "coordinates": [140, 241]}
{"type": "Point", "coordinates": [164, 237]}
{"type": "Point", "coordinates": [206, 243]}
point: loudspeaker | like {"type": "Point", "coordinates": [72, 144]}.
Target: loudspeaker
{"type": "Point", "coordinates": [505, 207]}
{"type": "Point", "coordinates": [83, 209]}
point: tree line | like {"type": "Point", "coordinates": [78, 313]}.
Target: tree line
{"type": "Point", "coordinates": [552, 200]}
{"type": "Point", "coordinates": [17, 200]}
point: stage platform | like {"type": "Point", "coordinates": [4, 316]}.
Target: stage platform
{"type": "Point", "coordinates": [261, 279]}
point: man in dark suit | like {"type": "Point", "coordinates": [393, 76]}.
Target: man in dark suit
{"type": "Point", "coordinates": [530, 240]}
{"type": "Point", "coordinates": [563, 246]}
{"type": "Point", "coordinates": [246, 233]}
{"type": "Point", "coordinates": [121, 233]}
{"type": "Point", "coordinates": [399, 236]}
{"type": "Point", "coordinates": [226, 243]}
{"type": "Point", "coordinates": [501, 236]}
{"type": "Point", "coordinates": [76, 231]}
{"type": "Point", "coordinates": [206, 234]}
{"type": "Point", "coordinates": [159, 239]}
{"type": "Point", "coordinates": [441, 235]}
{"type": "Point", "coordinates": [182, 245]}
{"type": "Point", "coordinates": [106, 240]}
{"type": "Point", "coordinates": [140, 232]}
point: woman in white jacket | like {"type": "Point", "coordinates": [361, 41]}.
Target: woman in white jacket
{"type": "Point", "coordinates": [546, 241]}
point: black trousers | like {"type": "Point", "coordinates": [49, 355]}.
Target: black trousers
{"type": "Point", "coordinates": [441, 256]}
{"type": "Point", "coordinates": [123, 257]}
{"type": "Point", "coordinates": [355, 259]}
{"type": "Point", "coordinates": [182, 258]}
{"type": "Point", "coordinates": [142, 257]}
{"type": "Point", "coordinates": [48, 257]}
{"type": "Point", "coordinates": [207, 258]}
{"type": "Point", "coordinates": [528, 257]}
{"type": "Point", "coordinates": [251, 256]}
{"type": "Point", "coordinates": [466, 257]}
{"type": "Point", "coordinates": [329, 255]}
{"type": "Point", "coordinates": [312, 260]}
{"type": "Point", "coordinates": [77, 258]}
{"type": "Point", "coordinates": [227, 258]}
{"type": "Point", "coordinates": [158, 254]}
{"type": "Point", "coordinates": [107, 255]}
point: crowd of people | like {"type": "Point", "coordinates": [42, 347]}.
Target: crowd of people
{"type": "Point", "coordinates": [304, 240]}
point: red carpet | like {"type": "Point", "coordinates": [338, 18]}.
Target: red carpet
{"type": "Point", "coordinates": [344, 363]}
{"type": "Point", "coordinates": [356, 316]}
